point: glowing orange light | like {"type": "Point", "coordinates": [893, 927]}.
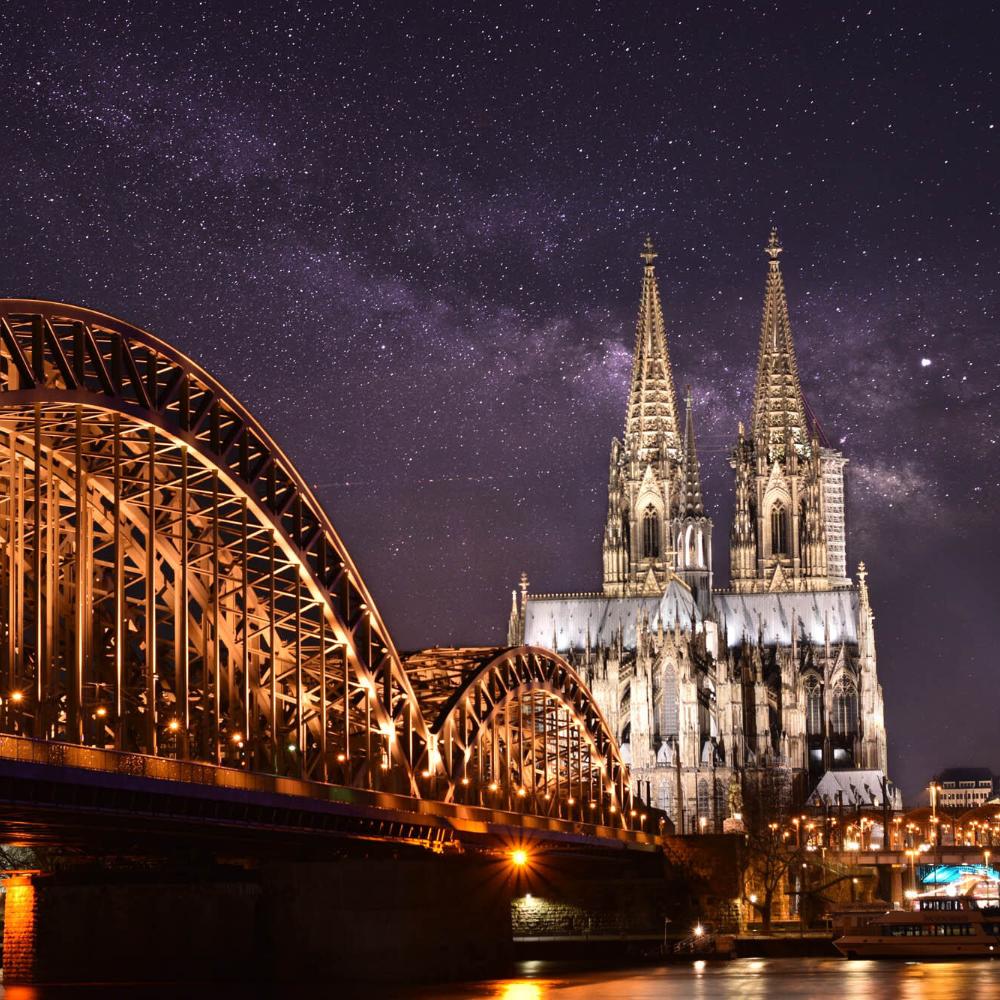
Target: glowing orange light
{"type": "Point", "coordinates": [101, 712]}
{"type": "Point", "coordinates": [17, 697]}
{"type": "Point", "coordinates": [173, 725]}
{"type": "Point", "coordinates": [519, 858]}
{"type": "Point", "coordinates": [341, 758]}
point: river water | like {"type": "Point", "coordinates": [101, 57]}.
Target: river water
{"type": "Point", "coordinates": [742, 979]}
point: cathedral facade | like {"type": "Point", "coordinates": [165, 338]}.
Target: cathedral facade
{"type": "Point", "coordinates": [705, 686]}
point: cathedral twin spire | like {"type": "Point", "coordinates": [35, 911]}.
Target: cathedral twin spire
{"type": "Point", "coordinates": [788, 491]}
{"type": "Point", "coordinates": [788, 525]}
{"type": "Point", "coordinates": [778, 406]}
{"type": "Point", "coordinates": [657, 527]}
{"type": "Point", "coordinates": [651, 418]}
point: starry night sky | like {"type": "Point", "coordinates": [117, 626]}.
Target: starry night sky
{"type": "Point", "coordinates": [408, 241]}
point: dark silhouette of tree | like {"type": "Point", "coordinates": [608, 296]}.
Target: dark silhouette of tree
{"type": "Point", "coordinates": [774, 853]}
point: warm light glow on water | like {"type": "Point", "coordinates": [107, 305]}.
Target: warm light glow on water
{"type": "Point", "coordinates": [743, 979]}
{"type": "Point", "coordinates": [521, 991]}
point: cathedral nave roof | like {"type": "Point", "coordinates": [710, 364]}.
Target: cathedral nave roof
{"type": "Point", "coordinates": [771, 616]}
{"type": "Point", "coordinates": [574, 620]}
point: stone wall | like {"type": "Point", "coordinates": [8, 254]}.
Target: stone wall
{"type": "Point", "coordinates": [364, 919]}
{"type": "Point", "coordinates": [116, 928]}
{"type": "Point", "coordinates": [20, 911]}
{"type": "Point", "coordinates": [594, 908]}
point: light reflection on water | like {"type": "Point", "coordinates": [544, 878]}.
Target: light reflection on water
{"type": "Point", "coordinates": [743, 979]}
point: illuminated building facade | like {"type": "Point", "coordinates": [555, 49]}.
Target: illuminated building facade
{"type": "Point", "coordinates": [704, 685]}
{"type": "Point", "coordinates": [964, 788]}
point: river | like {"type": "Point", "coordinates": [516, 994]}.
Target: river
{"type": "Point", "coordinates": [743, 979]}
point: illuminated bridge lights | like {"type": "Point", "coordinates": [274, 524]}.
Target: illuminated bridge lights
{"type": "Point", "coordinates": [157, 547]}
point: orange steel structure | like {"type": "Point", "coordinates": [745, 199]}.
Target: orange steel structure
{"type": "Point", "coordinates": [169, 586]}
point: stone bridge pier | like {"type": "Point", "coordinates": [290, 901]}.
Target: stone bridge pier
{"type": "Point", "coordinates": [409, 919]}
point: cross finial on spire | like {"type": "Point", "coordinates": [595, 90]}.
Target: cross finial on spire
{"type": "Point", "coordinates": [648, 253]}
{"type": "Point", "coordinates": [773, 248]}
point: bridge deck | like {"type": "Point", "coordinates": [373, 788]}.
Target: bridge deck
{"type": "Point", "coordinates": [90, 786]}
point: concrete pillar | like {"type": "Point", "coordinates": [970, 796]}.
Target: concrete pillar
{"type": "Point", "coordinates": [896, 881]}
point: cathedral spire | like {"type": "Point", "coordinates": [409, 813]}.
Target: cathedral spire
{"type": "Point", "coordinates": [778, 407]}
{"type": "Point", "coordinates": [651, 418]}
{"type": "Point", "coordinates": [694, 505]}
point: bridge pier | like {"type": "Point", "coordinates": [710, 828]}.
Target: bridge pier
{"type": "Point", "coordinates": [360, 919]}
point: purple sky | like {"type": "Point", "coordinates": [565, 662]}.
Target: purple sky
{"type": "Point", "coordinates": [409, 243]}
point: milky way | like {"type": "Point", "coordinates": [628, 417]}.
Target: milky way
{"type": "Point", "coordinates": [409, 242]}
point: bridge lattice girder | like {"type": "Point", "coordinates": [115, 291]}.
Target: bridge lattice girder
{"type": "Point", "coordinates": [171, 583]}
{"type": "Point", "coordinates": [170, 586]}
{"type": "Point", "coordinates": [519, 729]}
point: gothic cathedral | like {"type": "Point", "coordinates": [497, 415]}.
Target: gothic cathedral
{"type": "Point", "coordinates": [706, 686]}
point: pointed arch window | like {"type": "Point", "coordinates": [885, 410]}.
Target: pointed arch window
{"type": "Point", "coordinates": [779, 530]}
{"type": "Point", "coordinates": [651, 533]}
{"type": "Point", "coordinates": [704, 802]}
{"type": "Point", "coordinates": [845, 708]}
{"type": "Point", "coordinates": [814, 707]}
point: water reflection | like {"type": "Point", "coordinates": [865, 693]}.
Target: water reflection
{"type": "Point", "coordinates": [744, 979]}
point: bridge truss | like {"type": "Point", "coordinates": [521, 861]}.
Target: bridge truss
{"type": "Point", "coordinates": [518, 728]}
{"type": "Point", "coordinates": [169, 586]}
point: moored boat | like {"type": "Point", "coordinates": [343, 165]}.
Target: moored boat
{"type": "Point", "coordinates": [937, 927]}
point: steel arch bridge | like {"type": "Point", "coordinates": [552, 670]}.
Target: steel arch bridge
{"type": "Point", "coordinates": [170, 587]}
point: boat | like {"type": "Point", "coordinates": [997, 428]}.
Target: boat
{"type": "Point", "coordinates": [936, 927]}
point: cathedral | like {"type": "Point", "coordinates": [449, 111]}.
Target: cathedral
{"type": "Point", "coordinates": [706, 686]}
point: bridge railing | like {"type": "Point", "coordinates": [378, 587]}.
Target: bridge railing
{"type": "Point", "coordinates": [178, 773]}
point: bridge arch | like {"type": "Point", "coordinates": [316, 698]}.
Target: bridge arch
{"type": "Point", "coordinates": [170, 583]}
{"type": "Point", "coordinates": [518, 729]}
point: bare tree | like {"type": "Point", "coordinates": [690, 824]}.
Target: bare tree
{"type": "Point", "coordinates": [773, 852]}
